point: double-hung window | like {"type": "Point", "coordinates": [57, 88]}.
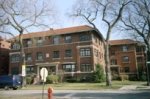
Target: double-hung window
{"type": "Point", "coordinates": [39, 56]}
{"type": "Point", "coordinates": [56, 39]}
{"type": "Point", "coordinates": [55, 54]}
{"type": "Point", "coordinates": [125, 59]}
{"type": "Point", "coordinates": [68, 53]}
{"type": "Point", "coordinates": [85, 52]}
{"type": "Point", "coordinates": [28, 57]}
{"type": "Point", "coordinates": [15, 58]}
{"type": "Point", "coordinates": [68, 39]}
{"type": "Point", "coordinates": [85, 37]}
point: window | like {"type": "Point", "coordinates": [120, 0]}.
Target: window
{"type": "Point", "coordinates": [16, 46]}
{"type": "Point", "coordinates": [68, 53]}
{"type": "Point", "coordinates": [29, 43]}
{"type": "Point", "coordinates": [28, 57]}
{"type": "Point", "coordinates": [125, 59]}
{"type": "Point", "coordinates": [14, 70]}
{"type": "Point", "coordinates": [68, 39]}
{"type": "Point", "coordinates": [112, 52]}
{"type": "Point", "coordinates": [39, 56]}
{"type": "Point", "coordinates": [85, 37]}
{"type": "Point", "coordinates": [85, 52]}
{"type": "Point", "coordinates": [139, 59]}
{"type": "Point", "coordinates": [124, 48]}
{"type": "Point", "coordinates": [113, 62]}
{"type": "Point", "coordinates": [30, 69]}
{"type": "Point", "coordinates": [124, 70]}
{"type": "Point", "coordinates": [39, 41]}
{"type": "Point", "coordinates": [55, 54]}
{"type": "Point", "coordinates": [15, 58]}
{"type": "Point", "coordinates": [55, 39]}
{"type": "Point", "coordinates": [69, 67]}
{"type": "Point", "coordinates": [85, 67]}
{"type": "Point", "coordinates": [139, 48]}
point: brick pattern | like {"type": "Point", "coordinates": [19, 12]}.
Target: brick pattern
{"type": "Point", "coordinates": [117, 53]}
{"type": "Point", "coordinates": [47, 48]}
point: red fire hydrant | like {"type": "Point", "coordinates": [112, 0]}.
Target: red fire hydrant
{"type": "Point", "coordinates": [50, 93]}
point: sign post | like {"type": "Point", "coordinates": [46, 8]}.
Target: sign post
{"type": "Point", "coordinates": [44, 74]}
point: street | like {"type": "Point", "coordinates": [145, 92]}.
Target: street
{"type": "Point", "coordinates": [78, 94]}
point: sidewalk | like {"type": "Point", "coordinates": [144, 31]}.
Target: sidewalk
{"type": "Point", "coordinates": [128, 87]}
{"type": "Point", "coordinates": [134, 87]}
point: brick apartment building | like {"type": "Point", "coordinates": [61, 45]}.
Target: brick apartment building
{"type": "Point", "coordinates": [4, 56]}
{"type": "Point", "coordinates": [127, 57]}
{"type": "Point", "coordinates": [74, 50]}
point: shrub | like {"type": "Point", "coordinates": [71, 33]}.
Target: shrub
{"type": "Point", "coordinates": [61, 76]}
{"type": "Point", "coordinates": [87, 79]}
{"type": "Point", "coordinates": [98, 74]}
{"type": "Point", "coordinates": [29, 80]}
{"type": "Point", "coordinates": [133, 77]}
{"type": "Point", "coordinates": [52, 79]}
{"type": "Point", "coordinates": [115, 77]}
{"type": "Point", "coordinates": [124, 77]}
{"type": "Point", "coordinates": [70, 79]}
{"type": "Point", "coordinates": [143, 77]}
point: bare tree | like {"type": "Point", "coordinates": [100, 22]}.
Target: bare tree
{"type": "Point", "coordinates": [19, 16]}
{"type": "Point", "coordinates": [137, 21]}
{"type": "Point", "coordinates": [107, 11]}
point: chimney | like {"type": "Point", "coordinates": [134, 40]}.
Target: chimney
{"type": "Point", "coordinates": [51, 29]}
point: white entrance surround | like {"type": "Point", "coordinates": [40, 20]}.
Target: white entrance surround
{"type": "Point", "coordinates": [47, 64]}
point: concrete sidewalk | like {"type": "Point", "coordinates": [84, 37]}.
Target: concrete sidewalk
{"type": "Point", "coordinates": [128, 87]}
{"type": "Point", "coordinates": [134, 87]}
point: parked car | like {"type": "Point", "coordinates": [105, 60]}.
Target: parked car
{"type": "Point", "coordinates": [10, 81]}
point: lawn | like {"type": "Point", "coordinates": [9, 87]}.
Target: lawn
{"type": "Point", "coordinates": [84, 86]}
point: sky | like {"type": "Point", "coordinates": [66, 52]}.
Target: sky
{"type": "Point", "coordinates": [62, 8]}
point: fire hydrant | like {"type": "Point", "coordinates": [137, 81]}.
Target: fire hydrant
{"type": "Point", "coordinates": [50, 93]}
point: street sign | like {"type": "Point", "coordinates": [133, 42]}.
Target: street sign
{"type": "Point", "coordinates": [23, 70]}
{"type": "Point", "coordinates": [148, 62]}
{"type": "Point", "coordinates": [44, 74]}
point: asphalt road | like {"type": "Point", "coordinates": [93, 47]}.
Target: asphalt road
{"type": "Point", "coordinates": [82, 94]}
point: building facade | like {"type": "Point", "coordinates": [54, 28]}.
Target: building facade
{"type": "Point", "coordinates": [127, 57]}
{"type": "Point", "coordinates": [74, 50]}
{"type": "Point", "coordinates": [4, 56]}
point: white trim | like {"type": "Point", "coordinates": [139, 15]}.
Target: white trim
{"type": "Point", "coordinates": [47, 63]}
{"type": "Point", "coordinates": [56, 44]}
{"type": "Point", "coordinates": [11, 53]}
{"type": "Point", "coordinates": [85, 46]}
{"type": "Point", "coordinates": [68, 62]}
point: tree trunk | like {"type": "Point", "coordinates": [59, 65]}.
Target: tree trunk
{"type": "Point", "coordinates": [148, 67]}
{"type": "Point", "coordinates": [107, 63]}
{"type": "Point", "coordinates": [23, 61]}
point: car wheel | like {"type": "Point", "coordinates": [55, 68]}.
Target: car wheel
{"type": "Point", "coordinates": [14, 88]}
{"type": "Point", "coordinates": [6, 88]}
